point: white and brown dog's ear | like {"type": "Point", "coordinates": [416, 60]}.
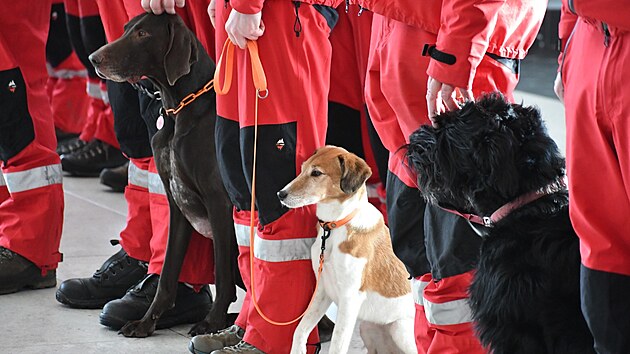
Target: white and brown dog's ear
{"type": "Point", "coordinates": [354, 172]}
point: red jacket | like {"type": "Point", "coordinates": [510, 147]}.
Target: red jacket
{"type": "Point", "coordinates": [467, 29]}
{"type": "Point", "coordinates": [255, 6]}
{"type": "Point", "coordinates": [614, 13]}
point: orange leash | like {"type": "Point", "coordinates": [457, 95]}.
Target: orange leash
{"type": "Point", "coordinates": [260, 82]}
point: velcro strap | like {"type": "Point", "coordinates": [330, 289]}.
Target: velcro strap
{"type": "Point", "coordinates": [442, 57]}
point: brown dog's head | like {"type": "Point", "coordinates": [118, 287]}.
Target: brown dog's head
{"type": "Point", "coordinates": [157, 46]}
{"type": "Point", "coordinates": [332, 173]}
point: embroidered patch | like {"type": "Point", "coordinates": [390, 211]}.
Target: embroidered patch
{"type": "Point", "coordinates": [280, 144]}
{"type": "Point", "coordinates": [12, 86]}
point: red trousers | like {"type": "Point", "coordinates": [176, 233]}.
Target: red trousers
{"type": "Point", "coordinates": [292, 121]}
{"type": "Point", "coordinates": [99, 121]}
{"type": "Point", "coordinates": [598, 147]}
{"type": "Point", "coordinates": [31, 194]}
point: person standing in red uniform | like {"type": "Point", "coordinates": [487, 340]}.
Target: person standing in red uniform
{"type": "Point", "coordinates": [31, 193]}
{"type": "Point", "coordinates": [471, 45]}
{"type": "Point", "coordinates": [295, 51]}
{"type": "Point", "coordinates": [66, 78]}
{"type": "Point", "coordinates": [595, 74]}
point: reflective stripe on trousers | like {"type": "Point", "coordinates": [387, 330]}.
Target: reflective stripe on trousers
{"type": "Point", "coordinates": [33, 178]}
{"type": "Point", "coordinates": [417, 288]}
{"type": "Point", "coordinates": [139, 177]}
{"type": "Point", "coordinates": [275, 250]}
{"type": "Point", "coordinates": [155, 184]}
{"type": "Point", "coordinates": [448, 313]}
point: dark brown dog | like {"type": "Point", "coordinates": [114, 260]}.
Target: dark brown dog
{"type": "Point", "coordinates": [164, 50]}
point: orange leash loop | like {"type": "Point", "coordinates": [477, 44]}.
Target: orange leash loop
{"type": "Point", "coordinates": [260, 83]}
{"type": "Point", "coordinates": [190, 98]}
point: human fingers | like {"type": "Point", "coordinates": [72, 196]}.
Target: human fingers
{"type": "Point", "coordinates": [448, 97]}
{"type": "Point", "coordinates": [558, 87]}
{"type": "Point", "coordinates": [156, 7]}
{"type": "Point", "coordinates": [433, 89]}
{"type": "Point", "coordinates": [146, 5]}
{"type": "Point", "coordinates": [212, 10]}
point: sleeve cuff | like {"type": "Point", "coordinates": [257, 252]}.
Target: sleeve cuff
{"type": "Point", "coordinates": [248, 7]}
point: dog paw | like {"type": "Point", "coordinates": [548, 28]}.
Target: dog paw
{"type": "Point", "coordinates": [212, 326]}
{"type": "Point", "coordinates": [137, 329]}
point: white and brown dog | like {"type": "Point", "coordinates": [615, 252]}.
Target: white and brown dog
{"type": "Point", "coordinates": [361, 274]}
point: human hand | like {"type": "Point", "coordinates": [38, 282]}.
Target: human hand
{"type": "Point", "coordinates": [442, 97]}
{"type": "Point", "coordinates": [212, 9]}
{"type": "Point", "coordinates": [159, 6]}
{"type": "Point", "coordinates": [241, 27]}
{"type": "Point", "coordinates": [558, 87]}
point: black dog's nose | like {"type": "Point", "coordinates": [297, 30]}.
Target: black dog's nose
{"type": "Point", "coordinates": [282, 194]}
{"type": "Point", "coordinates": [95, 59]}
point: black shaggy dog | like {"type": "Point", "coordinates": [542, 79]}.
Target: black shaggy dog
{"type": "Point", "coordinates": [494, 156]}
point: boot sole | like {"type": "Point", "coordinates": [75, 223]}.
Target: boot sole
{"type": "Point", "coordinates": [188, 317]}
{"type": "Point", "coordinates": [82, 304]}
{"type": "Point", "coordinates": [42, 284]}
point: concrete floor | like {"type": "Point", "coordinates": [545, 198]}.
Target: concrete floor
{"type": "Point", "coordinates": [33, 321]}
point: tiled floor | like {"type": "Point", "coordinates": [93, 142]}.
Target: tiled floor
{"type": "Point", "coordinates": [33, 321]}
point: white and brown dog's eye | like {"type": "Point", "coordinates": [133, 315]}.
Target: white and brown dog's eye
{"type": "Point", "coordinates": [316, 173]}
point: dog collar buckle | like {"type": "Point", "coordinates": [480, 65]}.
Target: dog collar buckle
{"type": "Point", "coordinates": [487, 221]}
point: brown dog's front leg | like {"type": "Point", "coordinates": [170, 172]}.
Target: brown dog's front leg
{"type": "Point", "coordinates": [179, 235]}
{"type": "Point", "coordinates": [225, 260]}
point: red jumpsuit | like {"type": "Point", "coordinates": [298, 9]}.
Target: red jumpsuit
{"type": "Point", "coordinates": [348, 124]}
{"type": "Point", "coordinates": [83, 19]}
{"type": "Point", "coordinates": [31, 194]}
{"type": "Point", "coordinates": [595, 74]}
{"type": "Point", "coordinates": [295, 53]}
{"type": "Point", "coordinates": [145, 235]}
{"type": "Point", "coordinates": [473, 44]}
{"type": "Point", "coordinates": [66, 75]}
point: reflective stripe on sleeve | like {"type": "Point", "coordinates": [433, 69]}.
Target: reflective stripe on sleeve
{"type": "Point", "coordinates": [2, 182]}
{"type": "Point", "coordinates": [448, 313]}
{"type": "Point", "coordinates": [283, 250]}
{"type": "Point", "coordinates": [139, 177]}
{"type": "Point", "coordinates": [33, 178]}
{"type": "Point", "coordinates": [155, 184]}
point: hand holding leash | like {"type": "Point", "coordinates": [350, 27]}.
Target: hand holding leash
{"type": "Point", "coordinates": [241, 27]}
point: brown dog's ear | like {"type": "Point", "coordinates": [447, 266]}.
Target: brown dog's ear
{"type": "Point", "coordinates": [181, 52]}
{"type": "Point", "coordinates": [354, 172]}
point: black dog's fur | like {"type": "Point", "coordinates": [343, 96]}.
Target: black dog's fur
{"type": "Point", "coordinates": [163, 49]}
{"type": "Point", "coordinates": [525, 293]}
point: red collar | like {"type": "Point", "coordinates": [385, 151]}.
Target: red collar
{"type": "Point", "coordinates": [507, 208]}
{"type": "Point", "coordinates": [329, 225]}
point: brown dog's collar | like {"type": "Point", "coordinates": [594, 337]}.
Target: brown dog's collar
{"type": "Point", "coordinates": [329, 225]}
{"type": "Point", "coordinates": [507, 208]}
{"type": "Point", "coordinates": [190, 98]}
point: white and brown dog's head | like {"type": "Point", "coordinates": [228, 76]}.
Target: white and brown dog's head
{"type": "Point", "coordinates": [331, 174]}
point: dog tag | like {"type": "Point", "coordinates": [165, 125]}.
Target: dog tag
{"type": "Point", "coordinates": [160, 122]}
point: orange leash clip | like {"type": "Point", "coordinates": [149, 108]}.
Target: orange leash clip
{"type": "Point", "coordinates": [260, 83]}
